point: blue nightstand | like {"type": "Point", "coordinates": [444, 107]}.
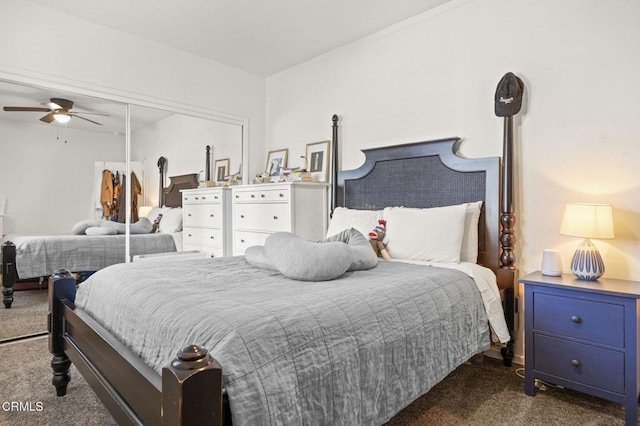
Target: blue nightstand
{"type": "Point", "coordinates": [583, 335]}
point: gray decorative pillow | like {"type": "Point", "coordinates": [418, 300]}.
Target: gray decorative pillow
{"type": "Point", "coordinates": [99, 230]}
{"type": "Point", "coordinates": [363, 255]}
{"type": "Point", "coordinates": [142, 226]}
{"type": "Point", "coordinates": [304, 260]}
{"type": "Point", "coordinates": [256, 256]}
{"type": "Point", "coordinates": [80, 227]}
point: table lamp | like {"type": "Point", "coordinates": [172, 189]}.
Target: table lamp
{"type": "Point", "coordinates": [587, 221]}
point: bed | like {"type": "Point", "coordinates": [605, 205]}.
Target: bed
{"type": "Point", "coordinates": [38, 257]}
{"type": "Point", "coordinates": [354, 350]}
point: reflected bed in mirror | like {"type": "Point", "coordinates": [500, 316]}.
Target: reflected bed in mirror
{"type": "Point", "coordinates": [94, 244]}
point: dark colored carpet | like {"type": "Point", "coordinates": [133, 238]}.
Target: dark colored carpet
{"type": "Point", "coordinates": [28, 314]}
{"type": "Point", "coordinates": [489, 394]}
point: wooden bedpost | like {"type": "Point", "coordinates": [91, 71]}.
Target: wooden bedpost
{"type": "Point", "coordinates": [192, 389]}
{"type": "Point", "coordinates": [161, 163]}
{"type": "Point", "coordinates": [9, 274]}
{"type": "Point", "coordinates": [334, 164]}
{"type": "Point", "coordinates": [62, 286]}
{"type": "Point", "coordinates": [507, 274]}
{"type": "Point", "coordinates": [207, 166]}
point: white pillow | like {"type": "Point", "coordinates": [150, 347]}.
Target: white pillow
{"type": "Point", "coordinates": [433, 234]}
{"type": "Point", "coordinates": [469, 250]}
{"type": "Point", "coordinates": [171, 220]}
{"type": "Point", "coordinates": [154, 212]}
{"type": "Point", "coordinates": [362, 220]}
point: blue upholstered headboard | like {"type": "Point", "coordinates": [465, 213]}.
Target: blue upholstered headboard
{"type": "Point", "coordinates": [427, 174]}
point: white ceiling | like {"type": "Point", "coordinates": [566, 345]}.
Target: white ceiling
{"type": "Point", "coordinates": [262, 37]}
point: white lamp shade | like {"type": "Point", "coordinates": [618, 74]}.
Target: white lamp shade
{"type": "Point", "coordinates": [143, 211]}
{"type": "Point", "coordinates": [588, 221]}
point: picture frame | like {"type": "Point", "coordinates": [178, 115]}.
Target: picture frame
{"type": "Point", "coordinates": [276, 160]}
{"type": "Point", "coordinates": [221, 169]}
{"type": "Point", "coordinates": [318, 160]}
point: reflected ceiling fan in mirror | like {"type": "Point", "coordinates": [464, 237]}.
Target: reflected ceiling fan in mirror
{"type": "Point", "coordinates": [58, 110]}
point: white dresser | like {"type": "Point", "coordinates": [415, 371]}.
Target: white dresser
{"type": "Point", "coordinates": [260, 210]}
{"type": "Point", "coordinates": [206, 221]}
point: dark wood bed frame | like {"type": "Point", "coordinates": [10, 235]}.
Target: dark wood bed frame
{"type": "Point", "coordinates": [169, 196]}
{"type": "Point", "coordinates": [189, 390]}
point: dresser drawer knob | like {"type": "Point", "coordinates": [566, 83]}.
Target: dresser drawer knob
{"type": "Point", "coordinates": [281, 195]}
{"type": "Point", "coordinates": [204, 198]}
{"type": "Point", "coordinates": [189, 234]}
{"type": "Point", "coordinates": [575, 363]}
{"type": "Point", "coordinates": [275, 218]}
{"type": "Point", "coordinates": [215, 198]}
{"type": "Point", "coordinates": [253, 195]}
{"type": "Point", "coordinates": [212, 215]}
{"type": "Point", "coordinates": [241, 216]}
{"type": "Point", "coordinates": [189, 214]}
{"type": "Point", "coordinates": [262, 195]}
{"type": "Point", "coordinates": [212, 237]}
{"type": "Point", "coordinates": [197, 198]}
{"type": "Point", "coordinates": [576, 319]}
{"type": "Point", "coordinates": [237, 196]}
{"type": "Point", "coordinates": [242, 241]}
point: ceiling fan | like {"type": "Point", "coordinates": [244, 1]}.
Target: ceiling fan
{"type": "Point", "coordinates": [58, 109]}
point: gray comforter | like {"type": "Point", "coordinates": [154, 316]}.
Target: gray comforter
{"type": "Point", "coordinates": [352, 351]}
{"type": "Point", "coordinates": [41, 256]}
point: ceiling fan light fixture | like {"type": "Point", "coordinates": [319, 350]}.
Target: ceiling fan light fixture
{"type": "Point", "coordinates": [61, 117]}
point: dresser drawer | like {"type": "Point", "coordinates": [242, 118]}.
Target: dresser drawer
{"type": "Point", "coordinates": [594, 366]}
{"type": "Point", "coordinates": [598, 322]}
{"type": "Point", "coordinates": [202, 197]}
{"type": "Point", "coordinates": [207, 215]}
{"type": "Point", "coordinates": [244, 239]}
{"type": "Point", "coordinates": [263, 195]}
{"type": "Point", "coordinates": [202, 237]}
{"type": "Point", "coordinates": [262, 217]}
{"type": "Point", "coordinates": [208, 251]}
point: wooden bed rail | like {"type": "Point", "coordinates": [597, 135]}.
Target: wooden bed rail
{"type": "Point", "coordinates": [131, 391]}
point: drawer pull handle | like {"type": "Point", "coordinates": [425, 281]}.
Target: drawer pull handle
{"type": "Point", "coordinates": [253, 195]}
{"type": "Point", "coordinates": [576, 319]}
{"type": "Point", "coordinates": [275, 218]}
{"type": "Point", "coordinates": [262, 195]}
{"type": "Point", "coordinates": [212, 237]}
{"type": "Point", "coordinates": [575, 363]}
{"type": "Point", "coordinates": [204, 198]}
{"type": "Point", "coordinates": [215, 198]}
{"type": "Point", "coordinates": [197, 198]}
{"type": "Point", "coordinates": [241, 216]}
{"type": "Point", "coordinates": [211, 215]}
{"type": "Point", "coordinates": [189, 214]}
{"type": "Point", "coordinates": [237, 196]}
{"type": "Point", "coordinates": [242, 241]}
{"type": "Point", "coordinates": [189, 234]}
{"type": "Point", "coordinates": [281, 195]}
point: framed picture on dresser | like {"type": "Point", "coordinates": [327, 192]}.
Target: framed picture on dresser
{"type": "Point", "coordinates": [317, 156]}
{"type": "Point", "coordinates": [222, 169]}
{"type": "Point", "coordinates": [275, 162]}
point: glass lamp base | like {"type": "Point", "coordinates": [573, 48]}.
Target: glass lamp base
{"type": "Point", "coordinates": [587, 263]}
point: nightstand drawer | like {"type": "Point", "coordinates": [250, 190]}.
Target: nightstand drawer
{"type": "Point", "coordinates": [598, 322]}
{"type": "Point", "coordinates": [581, 363]}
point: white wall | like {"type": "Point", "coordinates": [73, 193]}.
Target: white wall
{"type": "Point", "coordinates": [182, 140]}
{"type": "Point", "coordinates": [49, 183]}
{"type": "Point", "coordinates": [435, 76]}
{"type": "Point", "coordinates": [39, 44]}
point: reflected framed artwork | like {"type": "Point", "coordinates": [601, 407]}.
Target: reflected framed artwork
{"type": "Point", "coordinates": [222, 169]}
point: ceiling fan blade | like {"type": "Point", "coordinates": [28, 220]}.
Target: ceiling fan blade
{"type": "Point", "coordinates": [90, 113]}
{"type": "Point", "coordinates": [86, 119]}
{"type": "Point", "coordinates": [48, 118]}
{"type": "Point", "coordinates": [35, 109]}
{"type": "Point", "coordinates": [63, 103]}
